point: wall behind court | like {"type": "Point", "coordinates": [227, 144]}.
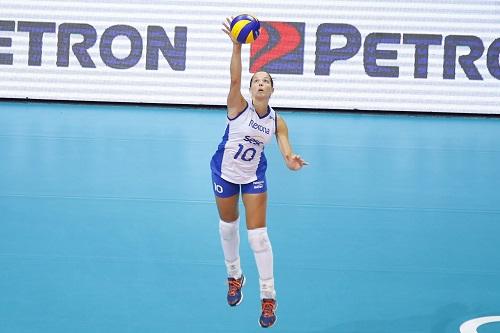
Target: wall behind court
{"type": "Point", "coordinates": [405, 55]}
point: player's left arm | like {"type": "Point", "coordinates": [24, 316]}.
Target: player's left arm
{"type": "Point", "coordinates": [293, 161]}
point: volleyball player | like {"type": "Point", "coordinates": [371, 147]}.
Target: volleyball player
{"type": "Point", "coordinates": [239, 165]}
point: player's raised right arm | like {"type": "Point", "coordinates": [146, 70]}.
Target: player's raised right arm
{"type": "Point", "coordinates": [235, 100]}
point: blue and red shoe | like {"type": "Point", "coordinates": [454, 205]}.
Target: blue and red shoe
{"type": "Point", "coordinates": [235, 294]}
{"type": "Point", "coordinates": [268, 316]}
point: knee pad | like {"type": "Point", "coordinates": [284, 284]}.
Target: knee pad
{"type": "Point", "coordinates": [259, 240]}
{"type": "Point", "coordinates": [228, 230]}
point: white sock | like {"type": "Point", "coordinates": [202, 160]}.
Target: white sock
{"type": "Point", "coordinates": [230, 240]}
{"type": "Point", "coordinates": [267, 288]}
{"type": "Point", "coordinates": [263, 252]}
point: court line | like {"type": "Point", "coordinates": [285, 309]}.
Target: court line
{"type": "Point", "coordinates": [216, 263]}
{"type": "Point", "coordinates": [272, 204]}
{"type": "Point", "coordinates": [149, 138]}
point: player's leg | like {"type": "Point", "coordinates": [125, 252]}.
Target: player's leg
{"type": "Point", "coordinates": [255, 209]}
{"type": "Point", "coordinates": [226, 197]}
{"type": "Point", "coordinates": [255, 201]}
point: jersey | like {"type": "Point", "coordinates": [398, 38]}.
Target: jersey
{"type": "Point", "coordinates": [240, 157]}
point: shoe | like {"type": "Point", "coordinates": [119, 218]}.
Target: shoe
{"type": "Point", "coordinates": [268, 316]}
{"type": "Point", "coordinates": [234, 294]}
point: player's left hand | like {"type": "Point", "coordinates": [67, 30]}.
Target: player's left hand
{"type": "Point", "coordinates": [295, 162]}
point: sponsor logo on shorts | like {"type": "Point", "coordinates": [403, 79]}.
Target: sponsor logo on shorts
{"type": "Point", "coordinates": [258, 184]}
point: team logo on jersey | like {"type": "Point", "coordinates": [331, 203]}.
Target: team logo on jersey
{"type": "Point", "coordinates": [254, 141]}
{"type": "Point", "coordinates": [279, 48]}
{"type": "Point", "coordinates": [259, 127]}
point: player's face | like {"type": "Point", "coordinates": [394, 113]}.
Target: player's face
{"type": "Point", "coordinates": [261, 85]}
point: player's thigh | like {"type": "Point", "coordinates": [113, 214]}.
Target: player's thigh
{"type": "Point", "coordinates": [228, 208]}
{"type": "Point", "coordinates": [255, 209]}
{"type": "Point", "coordinates": [226, 197]}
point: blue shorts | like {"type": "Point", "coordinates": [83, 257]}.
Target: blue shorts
{"type": "Point", "coordinates": [224, 189]}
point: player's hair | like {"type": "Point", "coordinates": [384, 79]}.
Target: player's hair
{"type": "Point", "coordinates": [272, 83]}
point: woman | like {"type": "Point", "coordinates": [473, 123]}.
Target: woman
{"type": "Point", "coordinates": [239, 164]}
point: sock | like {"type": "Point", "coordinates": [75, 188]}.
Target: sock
{"type": "Point", "coordinates": [263, 252]}
{"type": "Point", "coordinates": [267, 288]}
{"type": "Point", "coordinates": [230, 240]}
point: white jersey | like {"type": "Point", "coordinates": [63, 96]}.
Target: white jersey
{"type": "Point", "coordinates": [240, 156]}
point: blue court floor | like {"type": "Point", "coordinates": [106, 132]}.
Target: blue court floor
{"type": "Point", "coordinates": [107, 223]}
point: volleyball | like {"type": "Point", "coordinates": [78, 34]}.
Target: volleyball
{"type": "Point", "coordinates": [245, 28]}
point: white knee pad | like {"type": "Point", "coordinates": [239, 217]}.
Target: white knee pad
{"type": "Point", "coordinates": [259, 240]}
{"type": "Point", "coordinates": [228, 230]}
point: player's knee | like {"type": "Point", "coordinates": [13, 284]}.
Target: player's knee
{"type": "Point", "coordinates": [228, 230]}
{"type": "Point", "coordinates": [259, 240]}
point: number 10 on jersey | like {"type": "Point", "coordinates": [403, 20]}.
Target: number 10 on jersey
{"type": "Point", "coordinates": [246, 155]}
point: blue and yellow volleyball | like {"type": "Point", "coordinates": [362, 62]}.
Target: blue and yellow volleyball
{"type": "Point", "coordinates": [245, 28]}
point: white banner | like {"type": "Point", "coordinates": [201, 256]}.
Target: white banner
{"type": "Point", "coordinates": [405, 55]}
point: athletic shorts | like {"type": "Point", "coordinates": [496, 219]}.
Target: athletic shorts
{"type": "Point", "coordinates": [224, 189]}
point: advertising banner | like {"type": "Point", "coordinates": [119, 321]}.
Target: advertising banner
{"type": "Point", "coordinates": [405, 55]}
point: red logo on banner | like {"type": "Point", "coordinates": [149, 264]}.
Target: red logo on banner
{"type": "Point", "coordinates": [279, 48]}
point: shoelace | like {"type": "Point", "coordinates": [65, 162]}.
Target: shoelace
{"type": "Point", "coordinates": [268, 308]}
{"type": "Point", "coordinates": [234, 285]}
